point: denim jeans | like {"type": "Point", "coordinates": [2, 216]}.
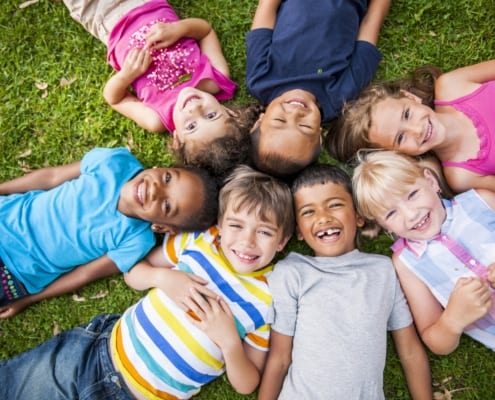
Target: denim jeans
{"type": "Point", "coordinates": [75, 364]}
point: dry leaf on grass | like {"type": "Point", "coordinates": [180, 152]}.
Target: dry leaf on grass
{"type": "Point", "coordinates": [100, 295]}
{"type": "Point", "coordinates": [28, 3]}
{"type": "Point", "coordinates": [25, 154]}
{"type": "Point", "coordinates": [78, 298]}
{"type": "Point", "coordinates": [56, 328]}
{"type": "Point", "coordinates": [67, 82]}
{"type": "Point", "coordinates": [445, 393]}
{"type": "Point", "coordinates": [41, 85]}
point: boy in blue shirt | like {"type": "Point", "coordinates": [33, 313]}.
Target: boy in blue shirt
{"type": "Point", "coordinates": [303, 61]}
{"type": "Point", "coordinates": [98, 215]}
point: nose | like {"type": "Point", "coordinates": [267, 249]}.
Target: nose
{"type": "Point", "coordinates": [156, 191]}
{"type": "Point", "coordinates": [322, 217]}
{"type": "Point", "coordinates": [409, 213]}
{"type": "Point", "coordinates": [248, 238]}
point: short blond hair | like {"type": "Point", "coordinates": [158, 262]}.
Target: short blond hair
{"type": "Point", "coordinates": [380, 174]}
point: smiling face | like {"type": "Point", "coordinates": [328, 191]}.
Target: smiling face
{"type": "Point", "coordinates": [199, 118]}
{"type": "Point", "coordinates": [405, 125]}
{"type": "Point", "coordinates": [290, 126]}
{"type": "Point", "coordinates": [326, 218]}
{"type": "Point", "coordinates": [247, 242]}
{"type": "Point", "coordinates": [163, 196]}
{"type": "Point", "coordinates": [416, 214]}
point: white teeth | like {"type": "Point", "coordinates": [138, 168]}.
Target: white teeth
{"type": "Point", "coordinates": [245, 257]}
{"type": "Point", "coordinates": [297, 103]}
{"type": "Point", "coordinates": [422, 222]}
{"type": "Point", "coordinates": [328, 232]}
{"type": "Point", "coordinates": [140, 192]}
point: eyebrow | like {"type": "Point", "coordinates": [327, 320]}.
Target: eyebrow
{"type": "Point", "coordinates": [175, 210]}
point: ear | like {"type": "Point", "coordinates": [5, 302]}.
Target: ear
{"type": "Point", "coordinates": [411, 96]}
{"type": "Point", "coordinates": [157, 228]}
{"type": "Point", "coordinates": [282, 243]}
{"type": "Point", "coordinates": [359, 221]}
{"type": "Point", "coordinates": [299, 235]}
{"type": "Point", "coordinates": [257, 123]}
{"type": "Point", "coordinates": [432, 180]}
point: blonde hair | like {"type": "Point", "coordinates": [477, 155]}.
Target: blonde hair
{"type": "Point", "coordinates": [380, 175]}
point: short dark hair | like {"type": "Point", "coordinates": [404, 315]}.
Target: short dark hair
{"type": "Point", "coordinates": [276, 164]}
{"type": "Point", "coordinates": [319, 174]}
{"type": "Point", "coordinates": [207, 214]}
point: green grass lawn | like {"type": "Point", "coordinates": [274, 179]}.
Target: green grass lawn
{"type": "Point", "coordinates": [52, 112]}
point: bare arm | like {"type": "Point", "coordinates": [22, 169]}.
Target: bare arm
{"type": "Point", "coordinates": [414, 362]}
{"type": "Point", "coordinates": [42, 179]}
{"type": "Point", "coordinates": [277, 365]}
{"type": "Point", "coordinates": [266, 14]}
{"type": "Point", "coordinates": [155, 271]}
{"type": "Point", "coordinates": [67, 283]}
{"type": "Point", "coordinates": [462, 81]}
{"type": "Point", "coordinates": [460, 179]}
{"type": "Point", "coordinates": [369, 31]}
{"type": "Point", "coordinates": [441, 329]}
{"type": "Point", "coordinates": [117, 95]}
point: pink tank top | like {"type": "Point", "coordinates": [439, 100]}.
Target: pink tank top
{"type": "Point", "coordinates": [479, 106]}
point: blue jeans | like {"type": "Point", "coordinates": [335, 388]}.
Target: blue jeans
{"type": "Point", "coordinates": [75, 364]}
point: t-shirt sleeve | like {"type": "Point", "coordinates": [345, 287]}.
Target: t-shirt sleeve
{"type": "Point", "coordinates": [258, 45]}
{"type": "Point", "coordinates": [174, 245]}
{"type": "Point", "coordinates": [400, 316]}
{"type": "Point", "coordinates": [283, 284]}
{"type": "Point", "coordinates": [359, 73]}
{"type": "Point", "coordinates": [119, 159]}
{"type": "Point", "coordinates": [260, 338]}
{"type": "Point", "coordinates": [133, 249]}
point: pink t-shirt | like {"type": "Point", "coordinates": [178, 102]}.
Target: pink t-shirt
{"type": "Point", "coordinates": [173, 68]}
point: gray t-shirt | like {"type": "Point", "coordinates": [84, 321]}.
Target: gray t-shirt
{"type": "Point", "coordinates": [338, 310]}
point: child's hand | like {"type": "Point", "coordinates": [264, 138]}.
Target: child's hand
{"type": "Point", "coordinates": [178, 285]}
{"type": "Point", "coordinates": [15, 307]}
{"type": "Point", "coordinates": [163, 35]}
{"type": "Point", "coordinates": [215, 319]}
{"type": "Point", "coordinates": [470, 300]}
{"type": "Point", "coordinates": [136, 63]}
{"type": "Point", "coordinates": [490, 275]}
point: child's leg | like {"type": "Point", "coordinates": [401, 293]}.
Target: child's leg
{"type": "Point", "coordinates": [98, 17]}
{"type": "Point", "coordinates": [72, 365]}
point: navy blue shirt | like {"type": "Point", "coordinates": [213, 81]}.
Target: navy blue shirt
{"type": "Point", "coordinates": [312, 47]}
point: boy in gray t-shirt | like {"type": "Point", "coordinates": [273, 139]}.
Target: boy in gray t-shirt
{"type": "Point", "coordinates": [333, 310]}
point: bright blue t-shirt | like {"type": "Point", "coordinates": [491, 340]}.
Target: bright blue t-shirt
{"type": "Point", "coordinates": [312, 47]}
{"type": "Point", "coordinates": [46, 233]}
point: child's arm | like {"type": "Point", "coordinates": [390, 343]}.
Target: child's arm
{"type": "Point", "coordinates": [441, 329]}
{"type": "Point", "coordinates": [243, 363]}
{"type": "Point", "coordinates": [155, 271]}
{"type": "Point", "coordinates": [370, 27]}
{"type": "Point", "coordinates": [277, 365]}
{"type": "Point", "coordinates": [462, 81]}
{"type": "Point", "coordinates": [266, 14]}
{"type": "Point", "coordinates": [69, 282]}
{"type": "Point", "coordinates": [490, 275]}
{"type": "Point", "coordinates": [165, 34]}
{"type": "Point", "coordinates": [117, 95]}
{"type": "Point", "coordinates": [414, 362]}
{"type": "Point", "coordinates": [42, 179]}
{"type": "Point", "coordinates": [461, 179]}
